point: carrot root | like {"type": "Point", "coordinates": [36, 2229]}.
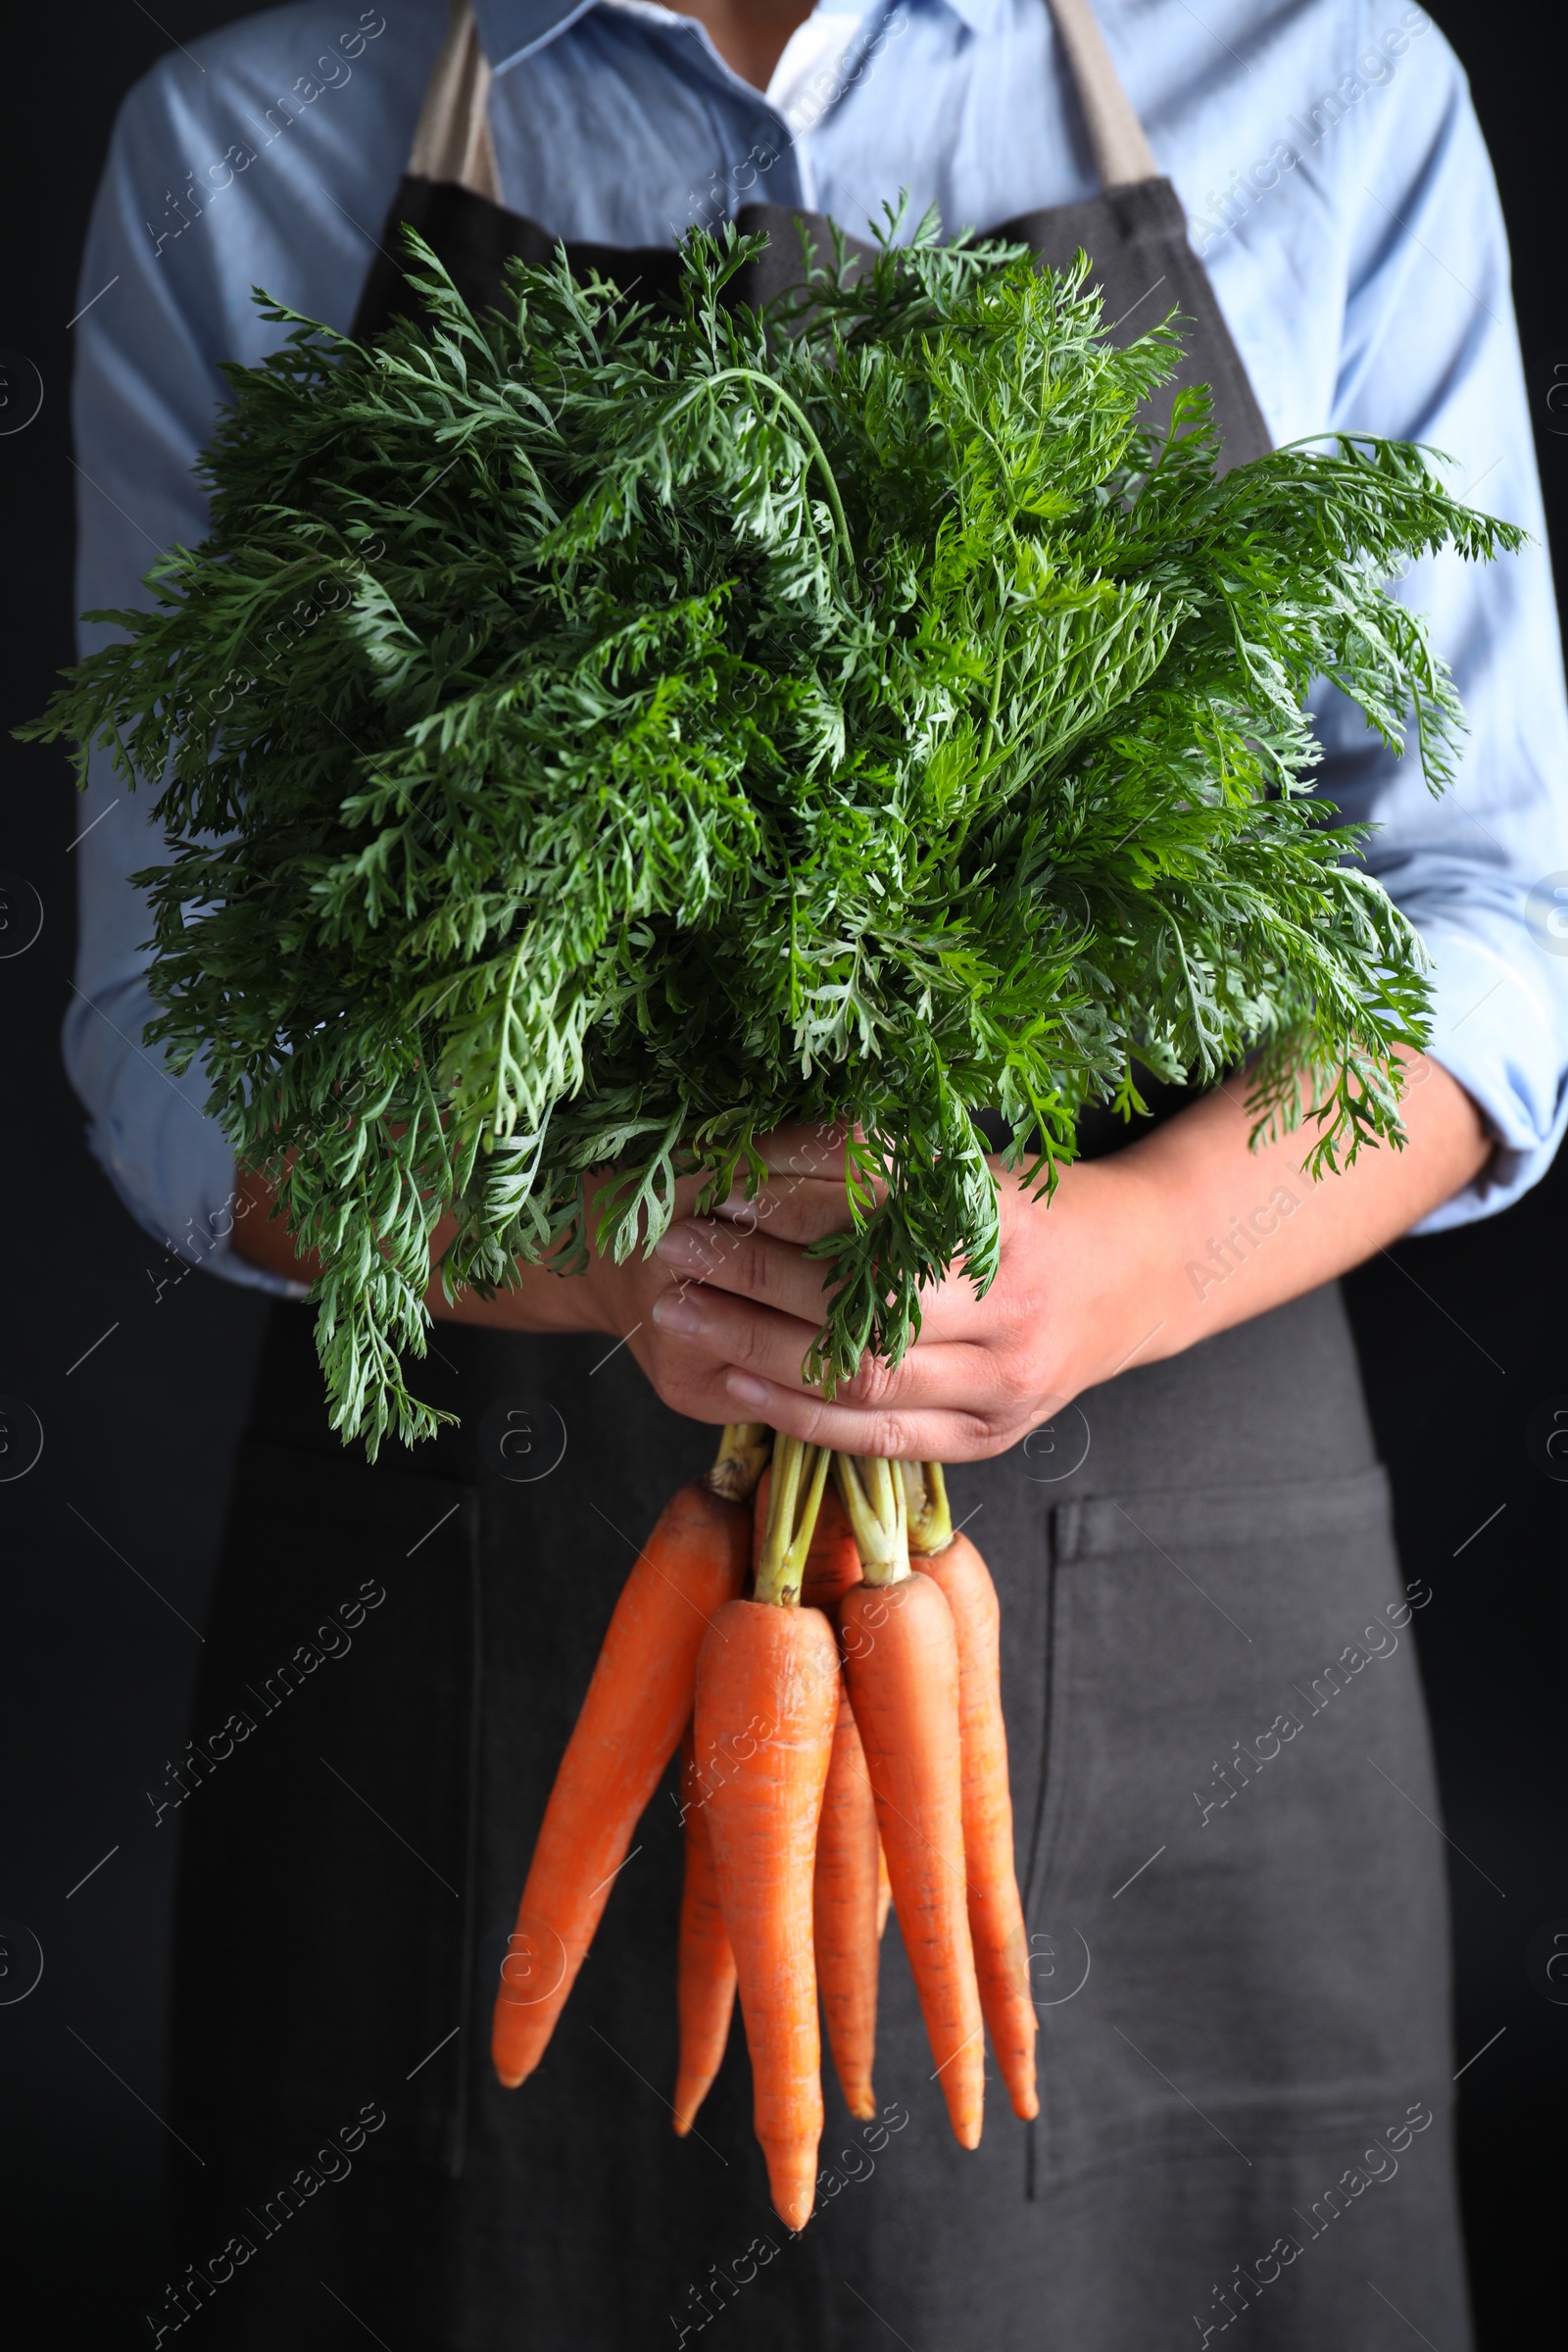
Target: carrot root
{"type": "Point", "coordinates": [638, 1701]}
{"type": "Point", "coordinates": [845, 1908]}
{"type": "Point", "coordinates": [901, 1661]}
{"type": "Point", "coordinates": [767, 1681]}
{"type": "Point", "coordinates": [996, 1913]}
{"type": "Point", "coordinates": [706, 1965]}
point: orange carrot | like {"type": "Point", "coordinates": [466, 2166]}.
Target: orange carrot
{"type": "Point", "coordinates": [901, 1661]}
{"type": "Point", "coordinates": [638, 1701]}
{"type": "Point", "coordinates": [845, 1909]}
{"type": "Point", "coordinates": [768, 1683]}
{"type": "Point", "coordinates": [996, 1913]}
{"type": "Point", "coordinates": [845, 1954]}
{"type": "Point", "coordinates": [884, 1886]}
{"type": "Point", "coordinates": [706, 1965]}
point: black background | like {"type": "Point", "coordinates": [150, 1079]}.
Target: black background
{"type": "Point", "coordinates": [106, 1547]}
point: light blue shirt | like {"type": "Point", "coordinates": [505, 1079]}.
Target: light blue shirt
{"type": "Point", "coordinates": [1336, 184]}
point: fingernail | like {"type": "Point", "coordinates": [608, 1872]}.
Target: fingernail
{"type": "Point", "coordinates": [674, 1313]}
{"type": "Point", "coordinates": [684, 1245]}
{"type": "Point", "coordinates": [745, 1389]}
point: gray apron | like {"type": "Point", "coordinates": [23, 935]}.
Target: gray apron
{"type": "Point", "coordinates": [1221, 1775]}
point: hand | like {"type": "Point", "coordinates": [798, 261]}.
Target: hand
{"type": "Point", "coordinates": [1138, 1256]}
{"type": "Point", "coordinates": [1067, 1307]}
{"type": "Point", "coordinates": [626, 1304]}
{"type": "Point", "coordinates": [650, 1303]}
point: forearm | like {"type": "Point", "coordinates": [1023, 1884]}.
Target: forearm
{"type": "Point", "coordinates": [1229, 1232]}
{"type": "Point", "coordinates": [541, 1302]}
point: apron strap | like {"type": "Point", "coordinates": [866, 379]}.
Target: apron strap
{"type": "Point", "coordinates": [452, 144]}
{"type": "Point", "coordinates": [1122, 153]}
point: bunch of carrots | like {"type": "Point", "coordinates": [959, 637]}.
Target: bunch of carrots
{"type": "Point", "coordinates": [837, 1706]}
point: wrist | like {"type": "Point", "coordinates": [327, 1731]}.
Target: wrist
{"type": "Point", "coordinates": [1139, 1310]}
{"type": "Point", "coordinates": [601, 1296]}
{"type": "Point", "coordinates": [538, 1300]}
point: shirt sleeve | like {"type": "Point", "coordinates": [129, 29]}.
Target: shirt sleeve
{"type": "Point", "coordinates": [228, 168]}
{"type": "Point", "coordinates": [144, 396]}
{"type": "Point", "coordinates": [1429, 352]}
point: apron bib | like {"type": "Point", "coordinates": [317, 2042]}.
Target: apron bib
{"type": "Point", "coordinates": [1215, 1715]}
{"type": "Point", "coordinates": [1134, 231]}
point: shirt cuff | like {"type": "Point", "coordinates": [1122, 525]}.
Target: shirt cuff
{"type": "Point", "coordinates": [226, 1262]}
{"type": "Point", "coordinates": [212, 1248]}
{"type": "Point", "coordinates": [1494, 1030]}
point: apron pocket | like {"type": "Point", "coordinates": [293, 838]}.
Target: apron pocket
{"type": "Point", "coordinates": [1237, 1909]}
{"type": "Point", "coordinates": [321, 1943]}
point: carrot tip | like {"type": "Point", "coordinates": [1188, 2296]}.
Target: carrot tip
{"type": "Point", "coordinates": [969, 2136]}
{"type": "Point", "coordinates": [863, 2108]}
{"type": "Point", "coordinates": [792, 2181]}
{"type": "Point", "coordinates": [510, 2081]}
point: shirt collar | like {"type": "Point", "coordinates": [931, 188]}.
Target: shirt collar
{"type": "Point", "coordinates": [512, 29]}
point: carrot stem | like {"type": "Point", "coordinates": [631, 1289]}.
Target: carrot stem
{"type": "Point", "coordinates": [833, 1562]}
{"type": "Point", "coordinates": [875, 1499]}
{"type": "Point", "coordinates": [741, 1460]}
{"type": "Point", "coordinates": [799, 1473]}
{"type": "Point", "coordinates": [925, 1491]}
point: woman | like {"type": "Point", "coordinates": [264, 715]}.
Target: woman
{"type": "Point", "coordinates": [1219, 1749]}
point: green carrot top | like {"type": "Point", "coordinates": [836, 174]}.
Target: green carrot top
{"type": "Point", "coordinates": [592, 736]}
